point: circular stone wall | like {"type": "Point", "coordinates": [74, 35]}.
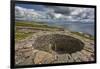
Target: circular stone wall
{"type": "Point", "coordinates": [58, 43]}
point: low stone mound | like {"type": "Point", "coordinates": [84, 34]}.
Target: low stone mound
{"type": "Point", "coordinates": [58, 43]}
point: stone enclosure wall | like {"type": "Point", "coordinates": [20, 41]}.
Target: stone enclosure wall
{"type": "Point", "coordinates": [58, 43]}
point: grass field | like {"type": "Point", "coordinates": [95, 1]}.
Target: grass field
{"type": "Point", "coordinates": [84, 35]}
{"type": "Point", "coordinates": [34, 24]}
{"type": "Point", "coordinates": [20, 35]}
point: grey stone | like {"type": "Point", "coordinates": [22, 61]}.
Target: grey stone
{"type": "Point", "coordinates": [43, 58]}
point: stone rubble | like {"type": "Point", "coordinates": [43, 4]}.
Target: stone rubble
{"type": "Point", "coordinates": [26, 54]}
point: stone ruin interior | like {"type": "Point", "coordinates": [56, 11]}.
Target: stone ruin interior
{"type": "Point", "coordinates": [58, 43]}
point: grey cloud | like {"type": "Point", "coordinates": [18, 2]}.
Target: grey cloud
{"type": "Point", "coordinates": [75, 12]}
{"type": "Point", "coordinates": [85, 14]}
{"type": "Point", "coordinates": [65, 13]}
{"type": "Point", "coordinates": [62, 10]}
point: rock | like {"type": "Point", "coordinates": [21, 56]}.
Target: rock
{"type": "Point", "coordinates": [27, 54]}
{"type": "Point", "coordinates": [19, 59]}
{"type": "Point", "coordinates": [22, 55]}
{"type": "Point", "coordinates": [28, 46]}
{"type": "Point", "coordinates": [70, 58]}
{"type": "Point", "coordinates": [43, 58]}
{"type": "Point", "coordinates": [26, 49]}
{"type": "Point", "coordinates": [88, 55]}
{"type": "Point", "coordinates": [89, 48]}
{"type": "Point", "coordinates": [39, 49]}
{"type": "Point", "coordinates": [82, 57]}
{"type": "Point", "coordinates": [75, 57]}
{"type": "Point", "coordinates": [64, 58]}
{"type": "Point", "coordinates": [61, 58]}
{"type": "Point", "coordinates": [27, 61]}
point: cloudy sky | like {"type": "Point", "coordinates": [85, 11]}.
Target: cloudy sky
{"type": "Point", "coordinates": [46, 12]}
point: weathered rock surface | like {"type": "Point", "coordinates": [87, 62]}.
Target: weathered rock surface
{"type": "Point", "coordinates": [27, 52]}
{"type": "Point", "coordinates": [43, 58]}
{"type": "Point", "coordinates": [23, 56]}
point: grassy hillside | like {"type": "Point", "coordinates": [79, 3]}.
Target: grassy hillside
{"type": "Point", "coordinates": [34, 24]}
{"type": "Point", "coordinates": [29, 27]}
{"type": "Point", "coordinates": [87, 36]}
{"type": "Point", "coordinates": [22, 35]}
{"type": "Point", "coordinates": [26, 29]}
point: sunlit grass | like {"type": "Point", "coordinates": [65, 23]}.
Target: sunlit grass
{"type": "Point", "coordinates": [22, 35]}
{"type": "Point", "coordinates": [34, 24]}
{"type": "Point", "coordinates": [84, 35]}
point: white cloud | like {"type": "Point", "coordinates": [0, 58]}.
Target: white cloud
{"type": "Point", "coordinates": [57, 16]}
{"type": "Point", "coordinates": [21, 12]}
{"type": "Point", "coordinates": [68, 14]}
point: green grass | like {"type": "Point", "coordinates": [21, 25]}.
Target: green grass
{"type": "Point", "coordinates": [83, 35]}
{"type": "Point", "coordinates": [34, 24]}
{"type": "Point", "coordinates": [22, 35]}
